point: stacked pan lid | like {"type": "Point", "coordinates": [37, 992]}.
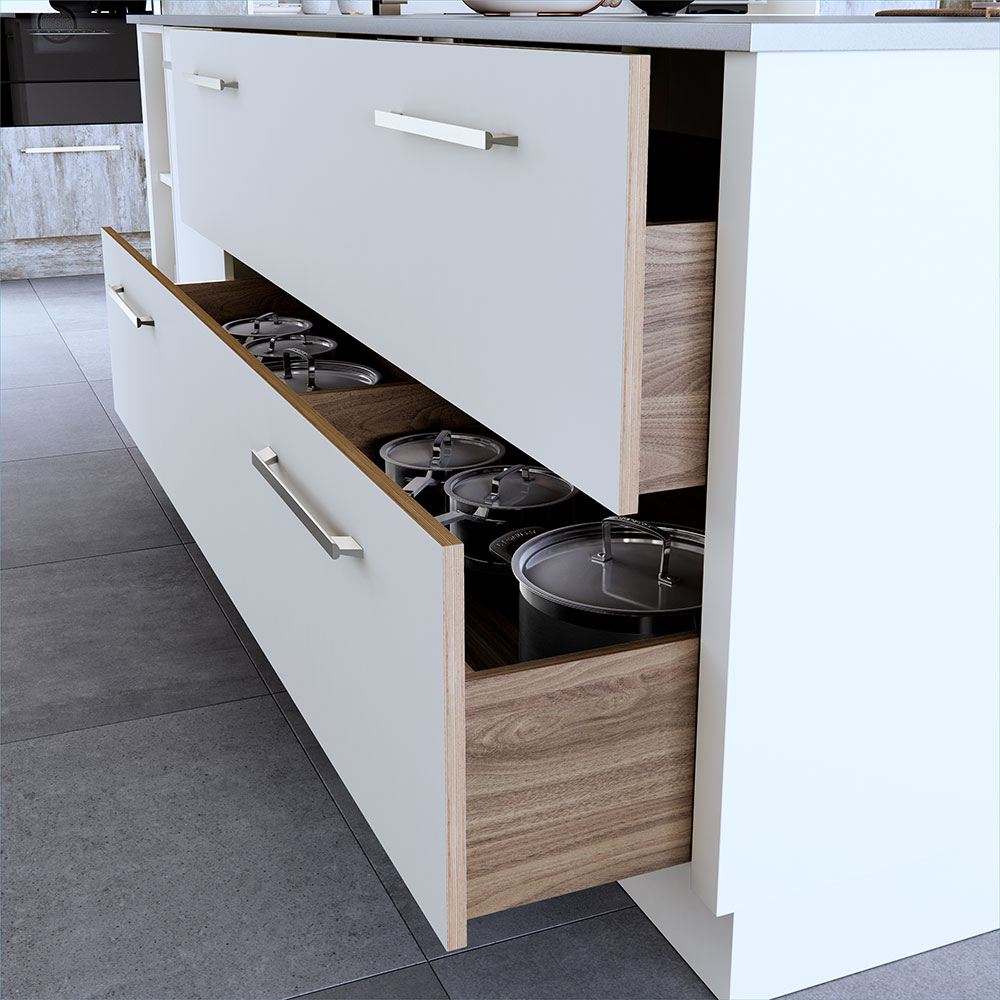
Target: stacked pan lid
{"type": "Point", "coordinates": [305, 360]}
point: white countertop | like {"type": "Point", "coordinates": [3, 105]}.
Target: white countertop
{"type": "Point", "coordinates": [733, 33]}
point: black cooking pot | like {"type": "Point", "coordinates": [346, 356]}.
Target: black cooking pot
{"type": "Point", "coordinates": [661, 6]}
{"type": "Point", "coordinates": [486, 503]}
{"type": "Point", "coordinates": [602, 583]}
{"type": "Point", "coordinates": [421, 463]}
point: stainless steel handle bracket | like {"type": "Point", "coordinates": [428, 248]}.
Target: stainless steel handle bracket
{"type": "Point", "coordinates": [210, 82]}
{"type": "Point", "coordinates": [477, 138]}
{"type": "Point", "coordinates": [604, 556]}
{"type": "Point", "coordinates": [265, 461]}
{"type": "Point", "coordinates": [118, 291]}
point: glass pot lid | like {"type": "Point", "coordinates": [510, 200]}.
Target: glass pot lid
{"type": "Point", "coordinates": [430, 451]}
{"type": "Point", "coordinates": [617, 566]}
{"type": "Point", "coordinates": [267, 325]}
{"type": "Point", "coordinates": [509, 487]}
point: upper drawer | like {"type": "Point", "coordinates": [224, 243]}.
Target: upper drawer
{"type": "Point", "coordinates": [508, 278]}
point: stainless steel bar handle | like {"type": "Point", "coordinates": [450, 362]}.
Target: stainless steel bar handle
{"type": "Point", "coordinates": [265, 462]}
{"type": "Point", "coordinates": [118, 291]}
{"type": "Point", "coordinates": [210, 82]}
{"type": "Point", "coordinates": [70, 149]}
{"type": "Point", "coordinates": [477, 138]}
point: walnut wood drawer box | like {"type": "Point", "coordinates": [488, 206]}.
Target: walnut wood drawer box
{"type": "Point", "coordinates": [487, 789]}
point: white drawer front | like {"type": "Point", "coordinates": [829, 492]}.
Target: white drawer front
{"type": "Point", "coordinates": [363, 644]}
{"type": "Point", "coordinates": [508, 278]}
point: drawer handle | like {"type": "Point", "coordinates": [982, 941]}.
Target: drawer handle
{"type": "Point", "coordinates": [265, 461]}
{"type": "Point", "coordinates": [210, 82]}
{"type": "Point", "coordinates": [476, 137]}
{"type": "Point", "coordinates": [70, 149]}
{"type": "Point", "coordinates": [134, 318]}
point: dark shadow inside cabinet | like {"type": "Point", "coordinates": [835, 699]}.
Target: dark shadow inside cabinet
{"type": "Point", "coordinates": [685, 129]}
{"type": "Point", "coordinates": [370, 416]}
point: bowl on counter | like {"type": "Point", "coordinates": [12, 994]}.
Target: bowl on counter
{"type": "Point", "coordinates": [547, 7]}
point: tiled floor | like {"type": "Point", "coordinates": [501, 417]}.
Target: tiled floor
{"type": "Point", "coordinates": [170, 826]}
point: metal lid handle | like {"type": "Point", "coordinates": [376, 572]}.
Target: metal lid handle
{"type": "Point", "coordinates": [665, 539]}
{"type": "Point", "coordinates": [441, 448]}
{"type": "Point", "coordinates": [494, 494]}
{"type": "Point", "coordinates": [286, 358]}
{"type": "Point", "coordinates": [257, 320]}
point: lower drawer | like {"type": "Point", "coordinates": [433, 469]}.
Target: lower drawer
{"type": "Point", "coordinates": [488, 787]}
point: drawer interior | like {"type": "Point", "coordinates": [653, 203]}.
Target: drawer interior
{"type": "Point", "coordinates": [579, 768]}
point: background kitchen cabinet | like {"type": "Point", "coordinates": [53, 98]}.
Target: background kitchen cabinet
{"type": "Point", "coordinates": [72, 156]}
{"type": "Point", "coordinates": [72, 193]}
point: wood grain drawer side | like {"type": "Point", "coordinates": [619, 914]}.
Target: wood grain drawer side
{"type": "Point", "coordinates": [579, 771]}
{"type": "Point", "coordinates": [678, 310]}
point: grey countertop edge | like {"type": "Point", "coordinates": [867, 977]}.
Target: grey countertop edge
{"type": "Point", "coordinates": [724, 33]}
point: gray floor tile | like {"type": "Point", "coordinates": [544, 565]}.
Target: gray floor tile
{"type": "Point", "coordinates": [74, 303]}
{"type": "Point", "coordinates": [609, 957]}
{"type": "Point", "coordinates": [75, 506]}
{"type": "Point", "coordinates": [168, 508]}
{"type": "Point", "coordinates": [193, 855]}
{"type": "Point", "coordinates": [968, 970]}
{"type": "Point", "coordinates": [69, 286]}
{"type": "Point", "coordinates": [21, 312]}
{"type": "Point", "coordinates": [256, 654]}
{"type": "Point", "coordinates": [418, 982]}
{"type": "Point", "coordinates": [40, 358]}
{"type": "Point", "coordinates": [53, 420]}
{"type": "Point", "coordinates": [104, 390]}
{"type": "Point", "coordinates": [482, 930]}
{"type": "Point", "coordinates": [119, 637]}
{"type": "Point", "coordinates": [91, 350]}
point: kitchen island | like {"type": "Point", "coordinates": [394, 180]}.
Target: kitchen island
{"type": "Point", "coordinates": [845, 772]}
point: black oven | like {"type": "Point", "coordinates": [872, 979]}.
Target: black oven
{"type": "Point", "coordinates": [69, 68]}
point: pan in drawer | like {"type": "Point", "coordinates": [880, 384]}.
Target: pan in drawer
{"type": "Point", "coordinates": [487, 788]}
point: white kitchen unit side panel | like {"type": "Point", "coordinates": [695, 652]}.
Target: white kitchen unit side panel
{"type": "Point", "coordinates": [501, 285]}
{"type": "Point", "coordinates": [358, 642]}
{"type": "Point", "coordinates": [847, 765]}
{"type": "Point", "coordinates": [154, 115]}
{"type": "Point", "coordinates": [195, 257]}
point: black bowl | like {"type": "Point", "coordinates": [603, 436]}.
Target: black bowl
{"type": "Point", "coordinates": [662, 6]}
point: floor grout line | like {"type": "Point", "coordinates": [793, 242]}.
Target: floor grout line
{"type": "Point", "coordinates": [159, 504]}
{"type": "Point", "coordinates": [231, 623]}
{"type": "Point", "coordinates": [68, 454]}
{"type": "Point", "coordinates": [438, 978]}
{"type": "Point", "coordinates": [360, 979]}
{"type": "Point", "coordinates": [99, 555]}
{"type": "Point", "coordinates": [350, 828]}
{"type": "Point", "coordinates": [55, 326]}
{"type": "Point", "coordinates": [531, 933]}
{"type": "Point", "coordinates": [140, 718]}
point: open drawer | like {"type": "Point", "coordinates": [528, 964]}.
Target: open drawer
{"type": "Point", "coordinates": [490, 238]}
{"type": "Point", "coordinates": [487, 789]}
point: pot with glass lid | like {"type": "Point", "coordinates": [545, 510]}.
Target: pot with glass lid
{"type": "Point", "coordinates": [269, 334]}
{"type": "Point", "coordinates": [421, 463]}
{"type": "Point", "coordinates": [602, 583]}
{"type": "Point", "coordinates": [487, 503]}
